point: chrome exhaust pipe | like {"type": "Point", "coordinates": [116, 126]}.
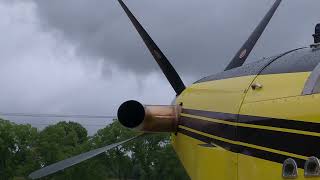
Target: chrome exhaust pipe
{"type": "Point", "coordinates": [149, 118]}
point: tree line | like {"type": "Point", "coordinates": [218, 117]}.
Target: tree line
{"type": "Point", "coordinates": [24, 149]}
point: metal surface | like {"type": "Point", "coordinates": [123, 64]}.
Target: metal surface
{"type": "Point", "coordinates": [312, 167]}
{"type": "Point", "coordinates": [245, 50]}
{"type": "Point", "coordinates": [160, 58]}
{"type": "Point", "coordinates": [256, 86]}
{"type": "Point", "coordinates": [289, 169]}
{"type": "Point", "coordinates": [160, 119]}
{"type": "Point", "coordinates": [149, 118]}
{"type": "Point", "coordinates": [74, 160]}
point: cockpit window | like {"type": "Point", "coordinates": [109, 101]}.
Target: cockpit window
{"type": "Point", "coordinates": [302, 60]}
{"type": "Point", "coordinates": [312, 85]}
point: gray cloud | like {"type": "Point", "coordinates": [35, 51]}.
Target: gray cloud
{"type": "Point", "coordinates": [84, 57]}
{"type": "Point", "coordinates": [41, 73]}
{"type": "Point", "coordinates": [202, 34]}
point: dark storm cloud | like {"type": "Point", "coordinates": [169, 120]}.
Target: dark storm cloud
{"type": "Point", "coordinates": [42, 74]}
{"type": "Point", "coordinates": [199, 37]}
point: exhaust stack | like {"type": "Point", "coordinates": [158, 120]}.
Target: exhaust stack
{"type": "Point", "coordinates": [150, 118]}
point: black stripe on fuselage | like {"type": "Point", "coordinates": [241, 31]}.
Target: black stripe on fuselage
{"type": "Point", "coordinates": [211, 114]}
{"type": "Point", "coordinates": [257, 120]}
{"type": "Point", "coordinates": [281, 123]}
{"type": "Point", "coordinates": [242, 149]}
{"type": "Point", "coordinates": [208, 140]}
{"type": "Point", "coordinates": [216, 129]}
{"type": "Point", "coordinates": [300, 144]}
{"type": "Point", "coordinates": [288, 142]}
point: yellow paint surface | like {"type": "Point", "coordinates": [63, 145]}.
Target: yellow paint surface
{"type": "Point", "coordinates": [280, 97]}
{"type": "Point", "coordinates": [204, 163]}
{"type": "Point", "coordinates": [219, 96]}
{"type": "Point", "coordinates": [276, 86]}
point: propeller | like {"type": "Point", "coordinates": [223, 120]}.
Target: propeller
{"type": "Point", "coordinates": [154, 118]}
{"type": "Point", "coordinates": [166, 67]}
{"type": "Point", "coordinates": [76, 159]}
{"type": "Point", "coordinates": [157, 118]}
{"type": "Point", "coordinates": [247, 47]}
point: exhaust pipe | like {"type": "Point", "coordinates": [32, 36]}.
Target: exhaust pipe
{"type": "Point", "coordinates": [134, 115]}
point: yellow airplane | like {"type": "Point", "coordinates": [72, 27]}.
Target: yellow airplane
{"type": "Point", "coordinates": [258, 121]}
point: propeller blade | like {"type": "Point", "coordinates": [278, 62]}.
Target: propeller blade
{"type": "Point", "coordinates": [160, 58]}
{"type": "Point", "coordinates": [247, 47]}
{"type": "Point", "coordinates": [75, 160]}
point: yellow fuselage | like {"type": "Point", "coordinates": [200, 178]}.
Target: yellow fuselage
{"type": "Point", "coordinates": [230, 131]}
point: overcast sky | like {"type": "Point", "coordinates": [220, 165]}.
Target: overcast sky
{"type": "Point", "coordinates": [84, 56]}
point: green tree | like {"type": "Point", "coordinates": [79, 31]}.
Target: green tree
{"type": "Point", "coordinates": [60, 141]}
{"type": "Point", "coordinates": [56, 142]}
{"type": "Point", "coordinates": [17, 150]}
{"type": "Point", "coordinates": [118, 163]}
{"type": "Point", "coordinates": [149, 157]}
{"type": "Point", "coordinates": [23, 150]}
{"type": "Point", "coordinates": [154, 158]}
